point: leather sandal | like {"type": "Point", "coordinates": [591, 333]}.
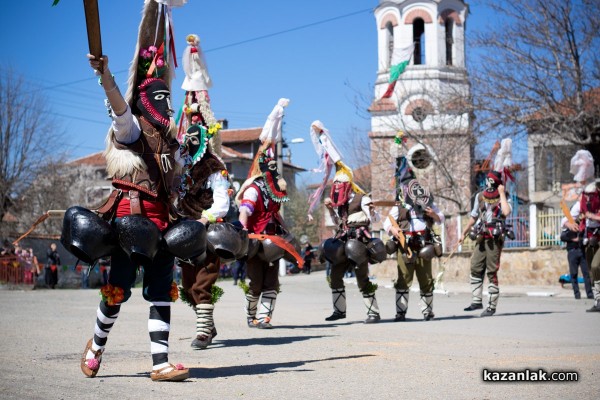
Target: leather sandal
{"type": "Point", "coordinates": [203, 341]}
{"type": "Point", "coordinates": [178, 373]}
{"type": "Point", "coordinates": [91, 367]}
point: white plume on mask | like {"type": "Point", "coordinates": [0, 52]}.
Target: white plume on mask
{"type": "Point", "coordinates": [504, 156]}
{"type": "Point", "coordinates": [582, 166]}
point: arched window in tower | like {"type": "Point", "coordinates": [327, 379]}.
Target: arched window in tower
{"type": "Point", "coordinates": [449, 24]}
{"type": "Point", "coordinates": [419, 40]}
{"type": "Point", "coordinates": [390, 41]}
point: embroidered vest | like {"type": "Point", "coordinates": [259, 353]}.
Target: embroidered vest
{"type": "Point", "coordinates": [158, 153]}
{"type": "Point", "coordinates": [265, 210]}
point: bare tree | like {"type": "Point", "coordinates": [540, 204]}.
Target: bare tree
{"type": "Point", "coordinates": [357, 155]}
{"type": "Point", "coordinates": [435, 120]}
{"type": "Point", "coordinates": [62, 186]}
{"type": "Point", "coordinates": [541, 71]}
{"type": "Point", "coordinates": [28, 135]}
{"type": "Point", "coordinates": [295, 212]}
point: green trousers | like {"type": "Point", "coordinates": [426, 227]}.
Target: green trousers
{"type": "Point", "coordinates": [407, 270]}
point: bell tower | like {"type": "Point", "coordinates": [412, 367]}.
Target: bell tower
{"type": "Point", "coordinates": [430, 102]}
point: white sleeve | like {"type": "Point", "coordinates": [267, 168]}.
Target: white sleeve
{"type": "Point", "coordinates": [575, 211]}
{"type": "Point", "coordinates": [387, 225]}
{"type": "Point", "coordinates": [219, 185]}
{"type": "Point", "coordinates": [126, 127]}
{"type": "Point", "coordinates": [439, 214]}
{"type": "Point", "coordinates": [364, 206]}
{"type": "Point", "coordinates": [475, 210]}
{"type": "Point", "coordinates": [249, 199]}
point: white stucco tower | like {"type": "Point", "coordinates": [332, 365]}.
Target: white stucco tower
{"type": "Point", "coordinates": [430, 102]}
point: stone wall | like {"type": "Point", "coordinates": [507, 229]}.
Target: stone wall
{"type": "Point", "coordinates": [541, 266]}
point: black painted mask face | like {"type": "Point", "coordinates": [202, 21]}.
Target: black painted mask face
{"type": "Point", "coordinates": [417, 195]}
{"type": "Point", "coordinates": [268, 167]}
{"type": "Point", "coordinates": [492, 181]}
{"type": "Point", "coordinates": [154, 102]}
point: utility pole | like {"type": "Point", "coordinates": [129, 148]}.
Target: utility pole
{"type": "Point", "coordinates": [279, 150]}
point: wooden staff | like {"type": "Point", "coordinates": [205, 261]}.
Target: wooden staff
{"type": "Point", "coordinates": [92, 22]}
{"type": "Point", "coordinates": [41, 219]}
{"type": "Point", "coordinates": [440, 274]}
{"type": "Point", "coordinates": [566, 211]}
{"type": "Point", "coordinates": [401, 238]}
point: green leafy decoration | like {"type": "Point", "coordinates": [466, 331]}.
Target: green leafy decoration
{"type": "Point", "coordinates": [370, 288]}
{"type": "Point", "coordinates": [244, 286]}
{"type": "Point", "coordinates": [215, 294]}
{"type": "Point", "coordinates": [184, 297]}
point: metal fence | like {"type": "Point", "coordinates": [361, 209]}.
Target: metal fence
{"type": "Point", "coordinates": [13, 271]}
{"type": "Point", "coordinates": [520, 226]}
{"type": "Point", "coordinates": [548, 228]}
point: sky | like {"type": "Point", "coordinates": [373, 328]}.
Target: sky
{"type": "Point", "coordinates": [321, 54]}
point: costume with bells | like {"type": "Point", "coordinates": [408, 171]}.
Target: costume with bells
{"type": "Point", "coordinates": [582, 168]}
{"type": "Point", "coordinates": [414, 214]}
{"type": "Point", "coordinates": [487, 219]}
{"type": "Point", "coordinates": [260, 198]}
{"type": "Point", "coordinates": [142, 158]}
{"type": "Point", "coordinates": [590, 226]}
{"type": "Point", "coordinates": [352, 245]}
{"type": "Point", "coordinates": [204, 196]}
{"type": "Point", "coordinates": [586, 213]}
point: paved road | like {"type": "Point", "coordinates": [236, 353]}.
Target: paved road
{"type": "Point", "coordinates": [43, 333]}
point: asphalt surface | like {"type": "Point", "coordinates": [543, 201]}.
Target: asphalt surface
{"type": "Point", "coordinates": [43, 333]}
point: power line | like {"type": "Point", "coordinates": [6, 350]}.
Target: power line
{"type": "Point", "coordinates": [324, 21]}
{"type": "Point", "coordinates": [107, 123]}
{"type": "Point", "coordinates": [289, 30]}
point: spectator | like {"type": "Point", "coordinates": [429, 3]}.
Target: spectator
{"type": "Point", "coordinates": [7, 248]}
{"type": "Point", "coordinates": [308, 257]}
{"type": "Point", "coordinates": [31, 263]}
{"type": "Point", "coordinates": [239, 271]}
{"type": "Point", "coordinates": [51, 267]}
{"type": "Point", "coordinates": [576, 259]}
{"type": "Point", "coordinates": [104, 269]}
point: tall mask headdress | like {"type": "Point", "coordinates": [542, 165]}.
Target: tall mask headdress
{"type": "Point", "coordinates": [196, 108]}
{"type": "Point", "coordinates": [502, 171]}
{"type": "Point", "coordinates": [194, 66]}
{"type": "Point", "coordinates": [270, 135]}
{"type": "Point", "coordinates": [329, 157]}
{"type": "Point", "coordinates": [154, 55]}
{"type": "Point", "coordinates": [408, 189]}
{"type": "Point", "coordinates": [265, 162]}
{"type": "Point", "coordinates": [150, 74]}
{"type": "Point", "coordinates": [582, 166]}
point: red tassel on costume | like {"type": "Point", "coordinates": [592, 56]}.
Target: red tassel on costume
{"type": "Point", "coordinates": [172, 46]}
{"type": "Point", "coordinates": [508, 174]}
